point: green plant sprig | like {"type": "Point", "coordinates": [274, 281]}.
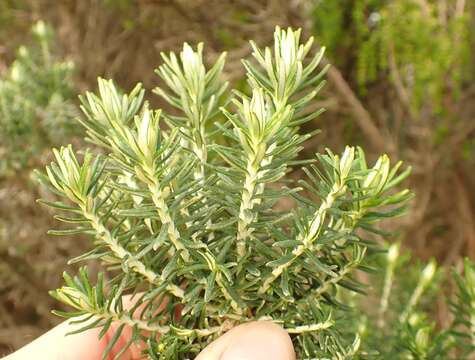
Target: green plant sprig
{"type": "Point", "coordinates": [181, 219]}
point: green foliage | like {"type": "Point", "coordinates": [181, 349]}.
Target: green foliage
{"type": "Point", "coordinates": [176, 216]}
{"type": "Point", "coordinates": [421, 44]}
{"type": "Point", "coordinates": [463, 308]}
{"type": "Point", "coordinates": [36, 109]}
{"type": "Point", "coordinates": [396, 318]}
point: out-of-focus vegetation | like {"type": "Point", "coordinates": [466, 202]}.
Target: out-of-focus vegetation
{"type": "Point", "coordinates": [422, 47]}
{"type": "Point", "coordinates": [36, 111]}
{"type": "Point", "coordinates": [402, 82]}
{"type": "Point", "coordinates": [36, 108]}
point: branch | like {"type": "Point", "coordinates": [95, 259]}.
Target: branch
{"type": "Point", "coordinates": [106, 236]}
{"type": "Point", "coordinates": [362, 116]}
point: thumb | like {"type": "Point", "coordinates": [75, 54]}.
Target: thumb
{"type": "Point", "coordinates": [260, 340]}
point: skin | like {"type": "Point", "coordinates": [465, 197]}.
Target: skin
{"type": "Point", "coordinates": [259, 340]}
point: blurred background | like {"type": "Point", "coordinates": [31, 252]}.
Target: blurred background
{"type": "Point", "coordinates": [401, 82]}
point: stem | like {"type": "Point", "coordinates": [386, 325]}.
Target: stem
{"type": "Point", "coordinates": [201, 153]}
{"type": "Point", "coordinates": [314, 228]}
{"type": "Point", "coordinates": [250, 188]}
{"type": "Point", "coordinates": [388, 280]}
{"type": "Point", "coordinates": [310, 328]}
{"type": "Point", "coordinates": [425, 279]}
{"type": "Point", "coordinates": [162, 329]}
{"type": "Point", "coordinates": [199, 149]}
{"type": "Point", "coordinates": [106, 236]}
{"type": "Point", "coordinates": [245, 219]}
{"type": "Point", "coordinates": [226, 294]}
{"type": "Point", "coordinates": [159, 199]}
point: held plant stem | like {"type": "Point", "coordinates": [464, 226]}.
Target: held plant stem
{"type": "Point", "coordinates": [188, 212]}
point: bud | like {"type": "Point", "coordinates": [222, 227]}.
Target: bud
{"type": "Point", "coordinates": [393, 253]}
{"type": "Point", "coordinates": [40, 29]}
{"type": "Point", "coordinates": [428, 272]}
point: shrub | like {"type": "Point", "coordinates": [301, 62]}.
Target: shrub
{"type": "Point", "coordinates": [193, 215]}
{"type": "Point", "coordinates": [422, 47]}
{"type": "Point", "coordinates": [36, 107]}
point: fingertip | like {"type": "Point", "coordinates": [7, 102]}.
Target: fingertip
{"type": "Point", "coordinates": [260, 340]}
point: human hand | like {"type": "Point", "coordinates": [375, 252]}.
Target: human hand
{"type": "Point", "coordinates": [259, 340]}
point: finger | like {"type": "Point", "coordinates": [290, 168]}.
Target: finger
{"type": "Point", "coordinates": [56, 344]}
{"type": "Point", "coordinates": [260, 340]}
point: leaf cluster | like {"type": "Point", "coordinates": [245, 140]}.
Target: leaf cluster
{"type": "Point", "coordinates": [198, 230]}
